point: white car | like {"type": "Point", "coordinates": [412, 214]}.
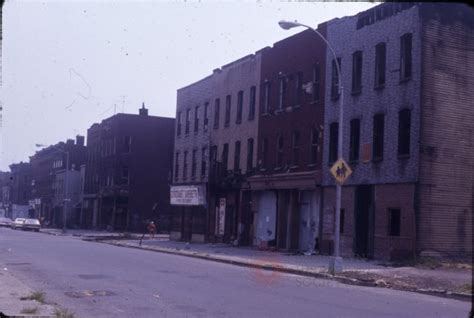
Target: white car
{"type": "Point", "coordinates": [5, 222]}
{"type": "Point", "coordinates": [18, 223]}
{"type": "Point", "coordinates": [31, 224]}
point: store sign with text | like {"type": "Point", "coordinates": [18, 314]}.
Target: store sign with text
{"type": "Point", "coordinates": [187, 195]}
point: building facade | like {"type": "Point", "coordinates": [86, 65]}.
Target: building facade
{"type": "Point", "coordinates": [127, 172]}
{"type": "Point", "coordinates": [45, 166]}
{"type": "Point", "coordinates": [387, 64]}
{"type": "Point", "coordinates": [286, 190]}
{"type": "Point", "coordinates": [191, 161]}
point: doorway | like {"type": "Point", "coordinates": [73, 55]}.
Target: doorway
{"type": "Point", "coordinates": [364, 221]}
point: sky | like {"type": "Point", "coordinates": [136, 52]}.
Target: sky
{"type": "Point", "coordinates": [69, 64]}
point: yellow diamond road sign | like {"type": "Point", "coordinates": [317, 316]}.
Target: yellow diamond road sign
{"type": "Point", "coordinates": [341, 171]}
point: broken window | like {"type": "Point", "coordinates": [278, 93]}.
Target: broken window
{"type": "Point", "coordinates": [333, 140]}
{"type": "Point", "coordinates": [404, 126]}
{"type": "Point", "coordinates": [217, 112]}
{"type": "Point", "coordinates": [378, 136]}
{"type": "Point", "coordinates": [380, 60]}
{"type": "Point", "coordinates": [357, 72]}
{"type": "Point", "coordinates": [354, 140]}
{"type": "Point", "coordinates": [405, 56]}
{"type": "Point", "coordinates": [394, 222]}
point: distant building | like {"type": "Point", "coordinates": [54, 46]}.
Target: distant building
{"type": "Point", "coordinates": [129, 160]}
{"type": "Point", "coordinates": [46, 166]}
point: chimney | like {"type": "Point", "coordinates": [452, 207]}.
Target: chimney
{"type": "Point", "coordinates": [79, 140]}
{"type": "Point", "coordinates": [143, 111]}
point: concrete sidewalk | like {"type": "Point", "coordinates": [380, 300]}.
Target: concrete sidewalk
{"type": "Point", "coordinates": [96, 234]}
{"type": "Point", "coordinates": [18, 300]}
{"type": "Point", "coordinates": [446, 281]}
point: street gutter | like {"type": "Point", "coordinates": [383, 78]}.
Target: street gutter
{"type": "Point", "coordinates": [289, 269]}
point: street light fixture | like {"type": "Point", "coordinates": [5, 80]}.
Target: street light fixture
{"type": "Point", "coordinates": [335, 264]}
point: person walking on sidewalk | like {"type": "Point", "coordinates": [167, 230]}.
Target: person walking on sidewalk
{"type": "Point", "coordinates": [151, 229]}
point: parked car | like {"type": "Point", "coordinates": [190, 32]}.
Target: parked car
{"type": "Point", "coordinates": [31, 224]}
{"type": "Point", "coordinates": [5, 222]}
{"type": "Point", "coordinates": [18, 223]}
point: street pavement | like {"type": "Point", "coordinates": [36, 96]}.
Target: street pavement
{"type": "Point", "coordinates": [100, 280]}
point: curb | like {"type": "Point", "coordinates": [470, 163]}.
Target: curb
{"type": "Point", "coordinates": [290, 270]}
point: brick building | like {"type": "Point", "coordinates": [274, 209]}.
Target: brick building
{"type": "Point", "coordinates": [400, 132]}
{"type": "Point", "coordinates": [45, 165]}
{"type": "Point", "coordinates": [129, 159]}
{"type": "Point", "coordinates": [215, 149]}
{"type": "Point", "coordinates": [20, 183]}
{"type": "Point", "coordinates": [191, 160]}
{"type": "Point", "coordinates": [286, 190]}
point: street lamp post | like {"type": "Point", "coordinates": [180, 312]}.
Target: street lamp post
{"type": "Point", "coordinates": [335, 264]}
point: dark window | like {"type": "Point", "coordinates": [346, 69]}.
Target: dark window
{"type": "Point", "coordinates": [127, 144]}
{"type": "Point", "coordinates": [404, 126]}
{"type": "Point", "coordinates": [213, 158]}
{"type": "Point", "coordinates": [240, 103]}
{"type": "Point", "coordinates": [335, 79]}
{"type": "Point", "coordinates": [314, 146]}
{"type": "Point", "coordinates": [228, 102]}
{"type": "Point", "coordinates": [266, 96]}
{"type": "Point", "coordinates": [178, 130]}
{"type": "Point", "coordinates": [203, 161]}
{"type": "Point", "coordinates": [394, 219]}
{"type": "Point", "coordinates": [357, 72]}
{"type": "Point", "coordinates": [176, 167]}
{"type": "Point", "coordinates": [282, 97]}
{"type": "Point", "coordinates": [185, 165]}
{"type": "Point", "coordinates": [280, 151]}
{"type": "Point", "coordinates": [196, 119]}
{"type": "Point", "coordinates": [377, 145]}
{"type": "Point", "coordinates": [225, 156]}
{"type": "Point", "coordinates": [188, 119]}
{"type": "Point", "coordinates": [296, 147]}
{"type": "Point", "coordinates": [355, 140]}
{"type": "Point", "coordinates": [252, 102]}
{"type": "Point", "coordinates": [249, 154]}
{"type": "Point", "coordinates": [264, 152]}
{"type": "Point", "coordinates": [237, 156]}
{"type": "Point", "coordinates": [333, 140]}
{"type": "Point", "coordinates": [380, 60]}
{"type": "Point", "coordinates": [341, 221]}
{"type": "Point", "coordinates": [206, 116]}
{"type": "Point", "coordinates": [298, 88]}
{"type": "Point", "coordinates": [217, 112]}
{"type": "Point", "coordinates": [316, 82]}
{"type": "Point", "coordinates": [405, 56]}
{"type": "Point", "coordinates": [125, 175]}
{"type": "Point", "coordinates": [193, 163]}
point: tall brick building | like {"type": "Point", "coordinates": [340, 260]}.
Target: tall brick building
{"type": "Point", "coordinates": [128, 171]}
{"type": "Point", "coordinates": [286, 190]}
{"type": "Point", "coordinates": [407, 131]}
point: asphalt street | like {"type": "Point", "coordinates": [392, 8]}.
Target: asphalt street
{"type": "Point", "coordinates": [100, 280]}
